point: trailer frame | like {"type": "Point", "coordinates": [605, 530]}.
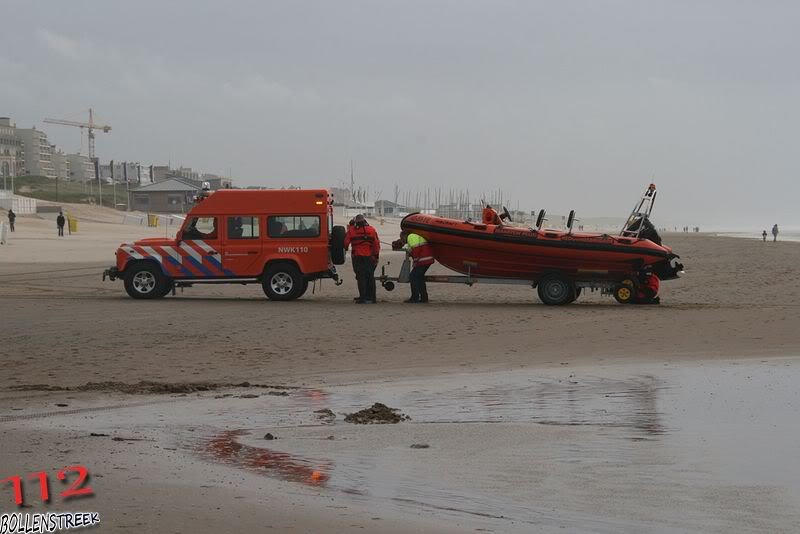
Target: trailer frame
{"type": "Point", "coordinates": [606, 286]}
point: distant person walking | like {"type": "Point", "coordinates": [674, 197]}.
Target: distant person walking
{"type": "Point", "coordinates": [11, 218]}
{"type": "Point", "coordinates": [60, 220]}
{"type": "Point", "coordinates": [774, 233]}
{"type": "Point", "coordinates": [764, 236]}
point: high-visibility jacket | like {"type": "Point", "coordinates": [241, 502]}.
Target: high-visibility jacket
{"type": "Point", "coordinates": [363, 241]}
{"type": "Point", "coordinates": [421, 251]}
{"type": "Point", "coordinates": [491, 217]}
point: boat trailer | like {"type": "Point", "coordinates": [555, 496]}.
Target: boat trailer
{"type": "Point", "coordinates": [606, 287]}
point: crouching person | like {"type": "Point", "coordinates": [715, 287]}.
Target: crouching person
{"type": "Point", "coordinates": [422, 258]}
{"type": "Point", "coordinates": [648, 289]}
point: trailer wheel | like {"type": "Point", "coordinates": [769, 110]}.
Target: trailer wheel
{"type": "Point", "coordinates": [624, 293]}
{"type": "Point", "coordinates": [145, 281]}
{"type": "Point", "coordinates": [283, 281]}
{"type": "Point", "coordinates": [337, 245]}
{"type": "Point", "coordinates": [555, 290]}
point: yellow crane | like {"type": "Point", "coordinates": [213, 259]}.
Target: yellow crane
{"type": "Point", "coordinates": [91, 126]}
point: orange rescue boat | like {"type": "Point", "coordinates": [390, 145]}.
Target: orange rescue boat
{"type": "Point", "coordinates": [558, 262]}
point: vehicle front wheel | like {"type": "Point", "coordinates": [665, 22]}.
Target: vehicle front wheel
{"type": "Point", "coordinates": [145, 281]}
{"type": "Point", "coordinates": [283, 282]}
{"type": "Point", "coordinates": [555, 290]}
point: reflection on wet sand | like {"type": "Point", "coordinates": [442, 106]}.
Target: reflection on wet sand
{"type": "Point", "coordinates": [225, 448]}
{"type": "Point", "coordinates": [603, 450]}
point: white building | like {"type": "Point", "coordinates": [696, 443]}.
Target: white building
{"type": "Point", "coordinates": [38, 152]}
{"type": "Point", "coordinates": [81, 167]}
{"type": "Point", "coordinates": [119, 171]}
{"type": "Point", "coordinates": [11, 153]}
{"type": "Point", "coordinates": [60, 164]}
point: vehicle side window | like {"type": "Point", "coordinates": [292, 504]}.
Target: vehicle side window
{"type": "Point", "coordinates": [243, 227]}
{"type": "Point", "coordinates": [200, 228]}
{"type": "Point", "coordinates": [293, 226]}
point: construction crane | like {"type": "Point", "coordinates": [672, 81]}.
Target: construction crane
{"type": "Point", "coordinates": [91, 126]}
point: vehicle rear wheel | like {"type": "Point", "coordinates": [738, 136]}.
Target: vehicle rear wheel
{"type": "Point", "coordinates": [555, 290]}
{"type": "Point", "coordinates": [337, 245]}
{"type": "Point", "coordinates": [145, 281]}
{"type": "Point", "coordinates": [283, 282]}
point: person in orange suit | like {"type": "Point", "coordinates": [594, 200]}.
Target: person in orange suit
{"type": "Point", "coordinates": [363, 241]}
{"type": "Point", "coordinates": [648, 289]}
{"type": "Point", "coordinates": [490, 216]}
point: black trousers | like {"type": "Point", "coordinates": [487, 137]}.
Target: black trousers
{"type": "Point", "coordinates": [11, 224]}
{"type": "Point", "coordinates": [365, 276]}
{"type": "Point", "coordinates": [61, 231]}
{"type": "Point", "coordinates": [419, 289]}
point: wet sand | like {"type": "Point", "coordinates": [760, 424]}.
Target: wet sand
{"type": "Point", "coordinates": [542, 465]}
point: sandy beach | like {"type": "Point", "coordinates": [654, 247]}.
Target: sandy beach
{"type": "Point", "coordinates": [588, 417]}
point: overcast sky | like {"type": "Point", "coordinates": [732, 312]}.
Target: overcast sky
{"type": "Point", "coordinates": [561, 104]}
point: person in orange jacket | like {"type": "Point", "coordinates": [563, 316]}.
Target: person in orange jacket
{"type": "Point", "coordinates": [648, 289]}
{"type": "Point", "coordinates": [362, 240]}
{"type": "Point", "coordinates": [490, 216]}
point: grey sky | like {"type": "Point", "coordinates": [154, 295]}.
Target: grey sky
{"type": "Point", "coordinates": [561, 104]}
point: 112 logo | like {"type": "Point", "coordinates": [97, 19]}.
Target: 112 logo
{"type": "Point", "coordinates": [79, 487]}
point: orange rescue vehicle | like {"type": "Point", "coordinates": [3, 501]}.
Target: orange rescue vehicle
{"type": "Point", "coordinates": [282, 239]}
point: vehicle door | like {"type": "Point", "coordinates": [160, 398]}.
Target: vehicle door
{"type": "Point", "coordinates": [242, 246]}
{"type": "Point", "coordinates": [200, 247]}
{"type": "Point", "coordinates": [298, 237]}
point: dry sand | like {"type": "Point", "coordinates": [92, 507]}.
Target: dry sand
{"type": "Point", "coordinates": [62, 326]}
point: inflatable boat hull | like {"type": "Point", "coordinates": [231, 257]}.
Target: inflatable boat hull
{"type": "Point", "coordinates": [509, 252]}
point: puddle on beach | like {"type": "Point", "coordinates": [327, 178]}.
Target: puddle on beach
{"type": "Point", "coordinates": [665, 448]}
{"type": "Point", "coordinates": [682, 447]}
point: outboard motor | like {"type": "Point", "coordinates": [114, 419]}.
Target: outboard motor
{"type": "Point", "coordinates": [649, 232]}
{"type": "Point", "coordinates": [642, 228]}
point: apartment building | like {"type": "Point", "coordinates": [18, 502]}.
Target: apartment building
{"type": "Point", "coordinates": [60, 164]}
{"type": "Point", "coordinates": [11, 153]}
{"type": "Point", "coordinates": [81, 167]}
{"type": "Point", "coordinates": [38, 152]}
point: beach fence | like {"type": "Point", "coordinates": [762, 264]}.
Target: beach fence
{"type": "Point", "coordinates": [20, 205]}
{"type": "Point", "coordinates": [153, 220]}
{"type": "Point", "coordinates": [133, 219]}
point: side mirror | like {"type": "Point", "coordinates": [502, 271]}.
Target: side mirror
{"type": "Point", "coordinates": [540, 220]}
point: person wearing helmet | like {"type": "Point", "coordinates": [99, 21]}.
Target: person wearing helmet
{"type": "Point", "coordinates": [362, 240]}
